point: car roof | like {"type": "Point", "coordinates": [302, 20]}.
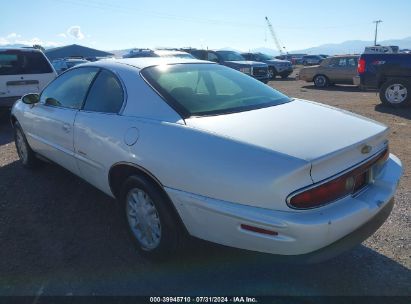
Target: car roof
{"type": "Point", "coordinates": [144, 62]}
{"type": "Point", "coordinates": [20, 49]}
{"type": "Point", "coordinates": [337, 56]}
{"type": "Point", "coordinates": [166, 52]}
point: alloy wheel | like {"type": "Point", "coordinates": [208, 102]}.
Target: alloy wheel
{"type": "Point", "coordinates": [396, 93]}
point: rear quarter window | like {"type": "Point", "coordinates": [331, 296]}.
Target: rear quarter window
{"type": "Point", "coordinates": [21, 62]}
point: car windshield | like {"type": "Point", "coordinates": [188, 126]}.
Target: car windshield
{"type": "Point", "coordinates": [265, 56]}
{"type": "Point", "coordinates": [210, 89]}
{"type": "Point", "coordinates": [230, 56]}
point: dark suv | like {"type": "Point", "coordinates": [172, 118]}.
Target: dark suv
{"type": "Point", "coordinates": [234, 60]}
{"type": "Point", "coordinates": [276, 67]}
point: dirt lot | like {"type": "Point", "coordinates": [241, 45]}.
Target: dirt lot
{"type": "Point", "coordinates": [59, 235]}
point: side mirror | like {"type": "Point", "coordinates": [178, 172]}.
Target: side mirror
{"type": "Point", "coordinates": [31, 98]}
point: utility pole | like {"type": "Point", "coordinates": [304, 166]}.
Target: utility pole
{"type": "Point", "coordinates": [376, 30]}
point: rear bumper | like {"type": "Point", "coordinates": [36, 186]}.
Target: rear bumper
{"type": "Point", "coordinates": [7, 102]}
{"type": "Point", "coordinates": [309, 235]}
{"type": "Point", "coordinates": [349, 241]}
{"type": "Point", "coordinates": [356, 80]}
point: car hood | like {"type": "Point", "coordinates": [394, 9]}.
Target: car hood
{"type": "Point", "coordinates": [306, 130]}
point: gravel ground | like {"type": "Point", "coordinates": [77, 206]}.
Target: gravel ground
{"type": "Point", "coordinates": [61, 236]}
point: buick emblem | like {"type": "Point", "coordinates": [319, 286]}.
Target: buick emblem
{"type": "Point", "coordinates": [366, 149]}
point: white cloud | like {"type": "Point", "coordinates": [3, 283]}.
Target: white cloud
{"type": "Point", "coordinates": [17, 39]}
{"type": "Point", "coordinates": [3, 41]}
{"type": "Point", "coordinates": [75, 31]}
{"type": "Point", "coordinates": [13, 36]}
{"type": "Point", "coordinates": [63, 35]}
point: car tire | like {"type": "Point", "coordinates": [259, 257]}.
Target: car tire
{"type": "Point", "coordinates": [26, 154]}
{"type": "Point", "coordinates": [150, 219]}
{"type": "Point", "coordinates": [272, 73]}
{"type": "Point", "coordinates": [321, 81]}
{"type": "Point", "coordinates": [396, 93]}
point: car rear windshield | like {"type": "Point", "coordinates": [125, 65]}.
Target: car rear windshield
{"type": "Point", "coordinates": [23, 62]}
{"type": "Point", "coordinates": [210, 89]}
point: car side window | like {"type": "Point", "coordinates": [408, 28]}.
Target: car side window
{"type": "Point", "coordinates": [199, 55]}
{"type": "Point", "coordinates": [342, 62]}
{"type": "Point", "coordinates": [212, 57]}
{"type": "Point", "coordinates": [334, 62]}
{"type": "Point", "coordinates": [69, 89]}
{"type": "Point", "coordinates": [352, 62]}
{"type": "Point", "coordinates": [106, 94]}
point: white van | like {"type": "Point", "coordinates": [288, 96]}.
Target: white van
{"type": "Point", "coordinates": [22, 71]}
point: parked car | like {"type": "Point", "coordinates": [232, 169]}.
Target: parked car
{"type": "Point", "coordinates": [60, 65]}
{"type": "Point", "coordinates": [234, 60]}
{"type": "Point", "coordinates": [282, 68]}
{"type": "Point", "coordinates": [311, 59]}
{"type": "Point", "coordinates": [140, 53]}
{"type": "Point", "coordinates": [174, 53]}
{"type": "Point", "coordinates": [390, 74]}
{"type": "Point", "coordinates": [332, 70]}
{"type": "Point", "coordinates": [200, 148]}
{"type": "Point", "coordinates": [293, 58]}
{"type": "Point", "coordinates": [22, 70]}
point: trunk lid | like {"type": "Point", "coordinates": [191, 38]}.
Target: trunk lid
{"type": "Point", "coordinates": [331, 139]}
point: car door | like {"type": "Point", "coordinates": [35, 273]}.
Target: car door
{"type": "Point", "coordinates": [99, 130]}
{"type": "Point", "coordinates": [336, 69]}
{"type": "Point", "coordinates": [52, 119]}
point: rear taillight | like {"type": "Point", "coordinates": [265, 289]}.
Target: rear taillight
{"type": "Point", "coordinates": [343, 185]}
{"type": "Point", "coordinates": [361, 66]}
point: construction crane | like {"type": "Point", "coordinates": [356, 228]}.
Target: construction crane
{"type": "Point", "coordinates": [276, 41]}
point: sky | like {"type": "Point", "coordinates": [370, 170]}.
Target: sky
{"type": "Point", "coordinates": [238, 24]}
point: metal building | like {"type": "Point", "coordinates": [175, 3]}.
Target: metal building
{"type": "Point", "coordinates": [76, 51]}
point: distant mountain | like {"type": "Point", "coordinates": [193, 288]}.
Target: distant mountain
{"type": "Point", "coordinates": [353, 46]}
{"type": "Point", "coordinates": [265, 50]}
{"type": "Point", "coordinates": [227, 48]}
{"type": "Point", "coordinates": [346, 47]}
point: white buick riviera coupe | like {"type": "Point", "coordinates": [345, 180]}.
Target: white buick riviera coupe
{"type": "Point", "coordinates": [189, 146]}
